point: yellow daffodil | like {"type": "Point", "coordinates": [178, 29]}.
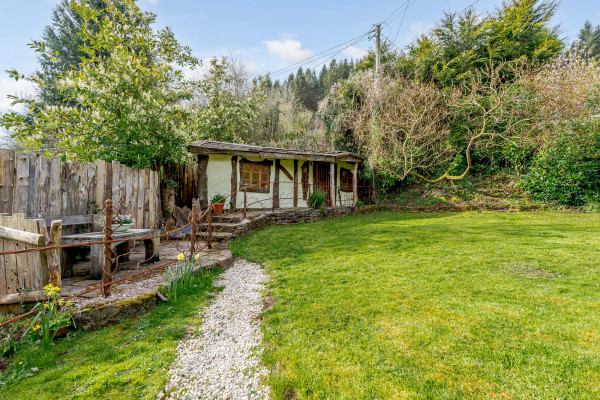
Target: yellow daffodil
{"type": "Point", "coordinates": [180, 256]}
{"type": "Point", "coordinates": [197, 256]}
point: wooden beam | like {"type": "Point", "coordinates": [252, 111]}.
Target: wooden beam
{"type": "Point", "coordinates": [21, 184]}
{"type": "Point", "coordinates": [272, 155]}
{"type": "Point", "coordinates": [234, 184]}
{"type": "Point", "coordinates": [295, 183]}
{"type": "Point", "coordinates": [7, 180]}
{"type": "Point", "coordinates": [202, 181]}
{"type": "Point", "coordinates": [53, 256]}
{"type": "Point", "coordinates": [22, 236]}
{"type": "Point", "coordinates": [332, 183]}
{"type": "Point", "coordinates": [355, 183]}
{"type": "Point", "coordinates": [285, 172]}
{"type": "Point", "coordinates": [276, 185]}
{"type": "Point", "coordinates": [71, 220]}
{"type": "Point", "coordinates": [13, 298]}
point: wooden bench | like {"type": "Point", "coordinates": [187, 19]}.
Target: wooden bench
{"type": "Point", "coordinates": [72, 220]}
{"type": "Point", "coordinates": [97, 250]}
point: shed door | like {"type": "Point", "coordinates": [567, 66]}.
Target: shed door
{"type": "Point", "coordinates": [322, 179]}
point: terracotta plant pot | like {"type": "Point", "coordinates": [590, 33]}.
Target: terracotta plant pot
{"type": "Point", "coordinates": [217, 208]}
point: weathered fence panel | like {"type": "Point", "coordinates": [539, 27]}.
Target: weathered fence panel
{"type": "Point", "coordinates": [46, 188]}
{"type": "Point", "coordinates": [24, 275]}
{"type": "Point", "coordinates": [186, 177]}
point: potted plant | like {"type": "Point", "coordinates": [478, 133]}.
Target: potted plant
{"type": "Point", "coordinates": [121, 223]}
{"type": "Point", "coordinates": [217, 202]}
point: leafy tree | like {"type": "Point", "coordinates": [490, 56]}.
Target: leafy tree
{"type": "Point", "coordinates": [63, 40]}
{"type": "Point", "coordinates": [129, 89]}
{"type": "Point", "coordinates": [224, 112]}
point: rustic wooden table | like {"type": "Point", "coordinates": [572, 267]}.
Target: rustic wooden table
{"type": "Point", "coordinates": [97, 250]}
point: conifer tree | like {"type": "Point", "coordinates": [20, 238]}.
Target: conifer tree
{"type": "Point", "coordinates": [62, 39]}
{"type": "Point", "coordinates": [589, 40]}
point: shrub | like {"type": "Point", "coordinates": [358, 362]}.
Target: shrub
{"type": "Point", "coordinates": [566, 170]}
{"type": "Point", "coordinates": [316, 199]}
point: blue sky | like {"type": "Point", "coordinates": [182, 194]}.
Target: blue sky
{"type": "Point", "coordinates": [266, 35]}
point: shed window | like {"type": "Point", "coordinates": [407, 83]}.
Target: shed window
{"type": "Point", "coordinates": [346, 180]}
{"type": "Point", "coordinates": [256, 176]}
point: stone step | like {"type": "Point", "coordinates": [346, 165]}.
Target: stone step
{"type": "Point", "coordinates": [220, 227]}
{"type": "Point", "coordinates": [227, 218]}
{"type": "Point", "coordinates": [219, 237]}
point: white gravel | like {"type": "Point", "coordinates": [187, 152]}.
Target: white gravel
{"type": "Point", "coordinates": [222, 359]}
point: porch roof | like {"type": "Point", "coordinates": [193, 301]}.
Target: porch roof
{"type": "Point", "coordinates": [236, 149]}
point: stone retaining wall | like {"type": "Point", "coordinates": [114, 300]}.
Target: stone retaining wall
{"type": "Point", "coordinates": [285, 217]}
{"type": "Point", "coordinates": [100, 315]}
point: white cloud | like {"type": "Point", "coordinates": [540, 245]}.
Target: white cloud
{"type": "Point", "coordinates": [20, 88]}
{"type": "Point", "coordinates": [288, 49]}
{"type": "Point", "coordinates": [419, 28]}
{"type": "Point", "coordinates": [354, 52]}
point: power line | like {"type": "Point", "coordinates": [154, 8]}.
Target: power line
{"type": "Point", "coordinates": [318, 56]}
{"type": "Point", "coordinates": [408, 4]}
{"type": "Point", "coordinates": [394, 12]}
{"type": "Point", "coordinates": [323, 59]}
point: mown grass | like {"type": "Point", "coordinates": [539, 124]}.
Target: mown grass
{"type": "Point", "coordinates": [433, 306]}
{"type": "Point", "coordinates": [124, 361]}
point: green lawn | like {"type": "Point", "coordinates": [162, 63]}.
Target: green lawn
{"type": "Point", "coordinates": [440, 306]}
{"type": "Point", "coordinates": [124, 361]}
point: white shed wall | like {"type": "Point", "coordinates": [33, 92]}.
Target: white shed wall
{"type": "Point", "coordinates": [219, 182]}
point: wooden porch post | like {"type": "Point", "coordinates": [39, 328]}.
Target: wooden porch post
{"type": "Point", "coordinates": [202, 181]}
{"type": "Point", "coordinates": [234, 184]}
{"type": "Point", "coordinates": [332, 182]}
{"type": "Point", "coordinates": [355, 183]}
{"type": "Point", "coordinates": [276, 186]}
{"type": "Point", "coordinates": [295, 183]}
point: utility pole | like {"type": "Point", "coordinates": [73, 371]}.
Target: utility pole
{"type": "Point", "coordinates": [377, 47]}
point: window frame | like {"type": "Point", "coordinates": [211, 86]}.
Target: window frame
{"type": "Point", "coordinates": [346, 171]}
{"type": "Point", "coordinates": [260, 164]}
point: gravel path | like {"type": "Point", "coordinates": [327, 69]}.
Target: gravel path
{"type": "Point", "coordinates": [222, 359]}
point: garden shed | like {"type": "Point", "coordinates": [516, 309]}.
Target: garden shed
{"type": "Point", "coordinates": [274, 177]}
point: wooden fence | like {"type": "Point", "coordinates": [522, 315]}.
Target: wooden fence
{"type": "Point", "coordinates": [47, 188]}
{"type": "Point", "coordinates": [186, 177]}
{"type": "Point", "coordinates": [24, 275]}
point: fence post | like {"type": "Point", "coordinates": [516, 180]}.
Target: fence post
{"type": "Point", "coordinates": [53, 255]}
{"type": "Point", "coordinates": [245, 202]}
{"type": "Point", "coordinates": [193, 237]}
{"type": "Point", "coordinates": [107, 266]}
{"type": "Point", "coordinates": [210, 227]}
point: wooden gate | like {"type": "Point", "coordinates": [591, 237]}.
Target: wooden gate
{"type": "Point", "coordinates": [24, 275]}
{"type": "Point", "coordinates": [322, 179]}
